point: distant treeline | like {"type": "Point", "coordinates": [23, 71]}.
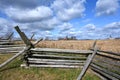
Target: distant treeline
{"type": "Point", "coordinates": [68, 38]}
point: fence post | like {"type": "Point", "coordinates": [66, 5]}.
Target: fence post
{"type": "Point", "coordinates": [29, 45]}
{"type": "Point", "coordinates": [88, 62]}
{"type": "Point", "coordinates": [24, 37]}
{"type": "Point", "coordinates": [32, 36]}
{"type": "Point", "coordinates": [10, 37]}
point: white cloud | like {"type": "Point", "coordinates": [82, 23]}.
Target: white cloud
{"type": "Point", "coordinates": [112, 29]}
{"type": "Point", "coordinates": [88, 31]}
{"type": "Point", "coordinates": [68, 9]}
{"type": "Point", "coordinates": [29, 15]}
{"type": "Point", "coordinates": [36, 27]}
{"type": "Point", "coordinates": [106, 7]}
{"type": "Point", "coordinates": [65, 26]}
{"type": "Point", "coordinates": [90, 27]}
{"type": "Point", "coordinates": [67, 29]}
{"type": "Point", "coordinates": [48, 24]}
{"type": "Point", "coordinates": [113, 25]}
{"type": "Point", "coordinates": [53, 22]}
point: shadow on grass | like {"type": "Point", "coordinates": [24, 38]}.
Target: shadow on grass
{"type": "Point", "coordinates": [9, 68]}
{"type": "Point", "coordinates": [12, 65]}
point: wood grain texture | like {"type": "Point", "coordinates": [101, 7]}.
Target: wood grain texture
{"type": "Point", "coordinates": [53, 50]}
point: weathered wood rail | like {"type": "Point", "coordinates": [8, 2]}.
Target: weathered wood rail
{"type": "Point", "coordinates": [45, 57]}
{"type": "Point", "coordinates": [8, 46]}
{"type": "Point", "coordinates": [107, 64]}
{"type": "Point", "coordinates": [104, 63]}
{"type": "Point", "coordinates": [8, 38]}
{"type": "Point", "coordinates": [11, 49]}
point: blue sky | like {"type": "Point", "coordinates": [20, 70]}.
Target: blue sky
{"type": "Point", "coordinates": [85, 19]}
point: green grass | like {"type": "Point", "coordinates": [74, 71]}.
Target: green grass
{"type": "Point", "coordinates": [13, 71]}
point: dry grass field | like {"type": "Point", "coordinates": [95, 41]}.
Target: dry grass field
{"type": "Point", "coordinates": [108, 45]}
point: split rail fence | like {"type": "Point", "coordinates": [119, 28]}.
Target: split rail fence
{"type": "Point", "coordinates": [104, 63]}
{"type": "Point", "coordinates": [9, 46]}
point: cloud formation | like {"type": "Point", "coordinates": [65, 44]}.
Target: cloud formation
{"type": "Point", "coordinates": [65, 27]}
{"type": "Point", "coordinates": [106, 7]}
{"type": "Point", "coordinates": [41, 16]}
{"type": "Point", "coordinates": [68, 9]}
{"type": "Point", "coordinates": [112, 28]}
{"type": "Point", "coordinates": [29, 15]}
{"type": "Point", "coordinates": [91, 31]}
{"type": "Point", "coordinates": [56, 18]}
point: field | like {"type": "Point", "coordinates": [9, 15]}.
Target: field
{"type": "Point", "coordinates": [108, 45]}
{"type": "Point", "coordinates": [14, 72]}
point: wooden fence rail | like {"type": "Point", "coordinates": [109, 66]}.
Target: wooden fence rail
{"type": "Point", "coordinates": [107, 52]}
{"type": "Point", "coordinates": [64, 51]}
{"type": "Point", "coordinates": [107, 64]}
{"type": "Point", "coordinates": [7, 46]}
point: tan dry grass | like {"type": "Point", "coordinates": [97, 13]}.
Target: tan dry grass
{"type": "Point", "coordinates": [4, 57]}
{"type": "Point", "coordinates": [108, 45]}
